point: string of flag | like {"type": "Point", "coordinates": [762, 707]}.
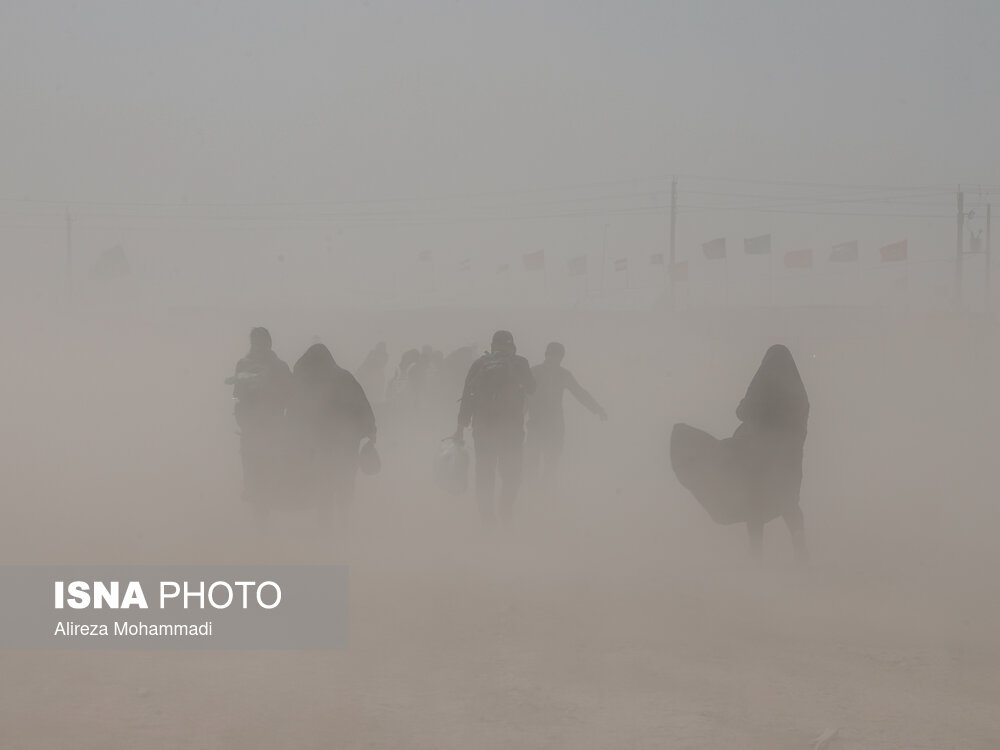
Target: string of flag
{"type": "Point", "coordinates": [801, 259]}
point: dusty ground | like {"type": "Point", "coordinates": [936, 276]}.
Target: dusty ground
{"type": "Point", "coordinates": [613, 614]}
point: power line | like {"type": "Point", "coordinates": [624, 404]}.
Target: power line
{"type": "Point", "coordinates": [665, 179]}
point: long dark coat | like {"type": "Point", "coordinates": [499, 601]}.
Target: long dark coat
{"type": "Point", "coordinates": [756, 474]}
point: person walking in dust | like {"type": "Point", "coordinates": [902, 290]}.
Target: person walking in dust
{"type": "Point", "coordinates": [546, 429]}
{"type": "Point", "coordinates": [754, 476]}
{"type": "Point", "coordinates": [330, 416]}
{"type": "Point", "coordinates": [774, 414]}
{"type": "Point", "coordinates": [261, 387]}
{"type": "Point", "coordinates": [493, 404]}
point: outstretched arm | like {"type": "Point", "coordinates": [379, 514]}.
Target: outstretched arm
{"type": "Point", "coordinates": [583, 397]}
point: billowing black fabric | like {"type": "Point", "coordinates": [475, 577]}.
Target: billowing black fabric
{"type": "Point", "coordinates": [712, 470]}
{"type": "Point", "coordinates": [755, 475]}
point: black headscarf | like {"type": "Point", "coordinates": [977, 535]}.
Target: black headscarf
{"type": "Point", "coordinates": [316, 365]}
{"type": "Point", "coordinates": [329, 398]}
{"type": "Point", "coordinates": [776, 398]}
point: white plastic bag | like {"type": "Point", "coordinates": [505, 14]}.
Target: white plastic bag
{"type": "Point", "coordinates": [451, 467]}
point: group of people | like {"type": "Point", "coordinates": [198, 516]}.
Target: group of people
{"type": "Point", "coordinates": [501, 388]}
{"type": "Point", "coordinates": [306, 430]}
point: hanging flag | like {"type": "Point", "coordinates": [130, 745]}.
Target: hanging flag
{"type": "Point", "coordinates": [465, 265]}
{"type": "Point", "coordinates": [621, 264]}
{"type": "Point", "coordinates": [656, 259]}
{"type": "Point", "coordinates": [577, 265]}
{"type": "Point", "coordinates": [679, 271]}
{"type": "Point", "coordinates": [424, 256]}
{"type": "Point", "coordinates": [715, 249]}
{"type": "Point", "coordinates": [845, 252]}
{"type": "Point", "coordinates": [757, 245]}
{"type": "Point", "coordinates": [894, 252]}
{"type": "Point", "coordinates": [799, 259]}
{"type": "Point", "coordinates": [503, 268]}
{"type": "Point", "coordinates": [534, 261]}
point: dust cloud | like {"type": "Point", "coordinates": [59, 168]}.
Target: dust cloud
{"type": "Point", "coordinates": [612, 612]}
{"type": "Point", "coordinates": [668, 189]}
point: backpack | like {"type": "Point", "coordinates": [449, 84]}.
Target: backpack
{"type": "Point", "coordinates": [494, 390]}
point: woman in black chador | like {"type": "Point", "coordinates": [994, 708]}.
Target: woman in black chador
{"type": "Point", "coordinates": [330, 416]}
{"type": "Point", "coordinates": [754, 476]}
{"type": "Point", "coordinates": [774, 414]}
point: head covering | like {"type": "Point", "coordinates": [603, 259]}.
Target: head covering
{"type": "Point", "coordinates": [555, 349]}
{"type": "Point", "coordinates": [316, 363]}
{"type": "Point", "coordinates": [776, 395]}
{"type": "Point", "coordinates": [260, 338]}
{"type": "Point", "coordinates": [502, 338]}
{"type": "Point", "coordinates": [779, 365]}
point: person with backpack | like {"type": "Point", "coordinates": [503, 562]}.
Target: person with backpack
{"type": "Point", "coordinates": [546, 424]}
{"type": "Point", "coordinates": [261, 389]}
{"type": "Point", "coordinates": [493, 404]}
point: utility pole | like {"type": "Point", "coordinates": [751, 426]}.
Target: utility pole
{"type": "Point", "coordinates": [604, 262]}
{"type": "Point", "coordinates": [959, 249]}
{"type": "Point", "coordinates": [673, 229]}
{"type": "Point", "coordinates": [69, 257]}
{"type": "Point", "coordinates": [989, 253]}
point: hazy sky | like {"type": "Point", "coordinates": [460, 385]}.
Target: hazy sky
{"type": "Point", "coordinates": [254, 101]}
{"type": "Point", "coordinates": [265, 101]}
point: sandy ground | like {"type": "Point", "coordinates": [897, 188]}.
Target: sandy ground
{"type": "Point", "coordinates": [612, 614]}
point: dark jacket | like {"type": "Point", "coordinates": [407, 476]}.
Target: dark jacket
{"type": "Point", "coordinates": [261, 389]}
{"type": "Point", "coordinates": [510, 412]}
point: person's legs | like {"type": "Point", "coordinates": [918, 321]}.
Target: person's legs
{"type": "Point", "coordinates": [533, 453]}
{"type": "Point", "coordinates": [553, 452]}
{"type": "Point", "coordinates": [250, 454]}
{"type": "Point", "coordinates": [797, 528]}
{"type": "Point", "coordinates": [511, 465]}
{"type": "Point", "coordinates": [486, 469]}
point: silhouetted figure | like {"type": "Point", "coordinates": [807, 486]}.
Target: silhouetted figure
{"type": "Point", "coordinates": [546, 423]}
{"type": "Point", "coordinates": [330, 416]}
{"type": "Point", "coordinates": [493, 403]}
{"type": "Point", "coordinates": [398, 388]}
{"type": "Point", "coordinates": [774, 415]}
{"type": "Point", "coordinates": [371, 373]}
{"type": "Point", "coordinates": [754, 476]}
{"type": "Point", "coordinates": [261, 389]}
{"type": "Point", "coordinates": [416, 375]}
